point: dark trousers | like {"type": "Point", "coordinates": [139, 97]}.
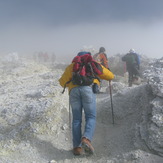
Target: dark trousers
{"type": "Point", "coordinates": [132, 72]}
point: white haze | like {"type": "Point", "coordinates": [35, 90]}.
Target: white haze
{"type": "Point", "coordinates": [66, 41]}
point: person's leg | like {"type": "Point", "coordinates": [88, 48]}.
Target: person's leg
{"type": "Point", "coordinates": [136, 71]}
{"type": "Point", "coordinates": [76, 105]}
{"type": "Point", "coordinates": [89, 105]}
{"type": "Point", "coordinates": [130, 77]}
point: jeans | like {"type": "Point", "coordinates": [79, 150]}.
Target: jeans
{"type": "Point", "coordinates": [82, 98]}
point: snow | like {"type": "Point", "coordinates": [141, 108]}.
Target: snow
{"type": "Point", "coordinates": [34, 119]}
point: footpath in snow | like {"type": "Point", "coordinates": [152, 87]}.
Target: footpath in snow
{"type": "Point", "coordinates": [34, 118]}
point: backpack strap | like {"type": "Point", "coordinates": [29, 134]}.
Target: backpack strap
{"type": "Point", "coordinates": [93, 73]}
{"type": "Point", "coordinates": [81, 63]}
{"type": "Point", "coordinates": [65, 86]}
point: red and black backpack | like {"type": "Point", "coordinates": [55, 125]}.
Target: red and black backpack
{"type": "Point", "coordinates": [85, 70]}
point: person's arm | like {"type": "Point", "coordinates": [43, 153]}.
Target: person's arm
{"type": "Point", "coordinates": [66, 76]}
{"type": "Point", "coordinates": [138, 61]}
{"type": "Point", "coordinates": [95, 56]}
{"type": "Point", "coordinates": [124, 58]}
{"type": "Point", "coordinates": [107, 74]}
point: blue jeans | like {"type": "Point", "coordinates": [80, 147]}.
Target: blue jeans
{"type": "Point", "coordinates": [83, 98]}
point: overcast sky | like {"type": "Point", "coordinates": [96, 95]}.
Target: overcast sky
{"type": "Point", "coordinates": [65, 26]}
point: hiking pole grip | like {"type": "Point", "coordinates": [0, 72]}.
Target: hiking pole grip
{"type": "Point", "coordinates": [111, 101]}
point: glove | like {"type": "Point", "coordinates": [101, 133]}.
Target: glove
{"type": "Point", "coordinates": [95, 88]}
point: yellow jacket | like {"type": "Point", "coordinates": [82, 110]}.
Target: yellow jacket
{"type": "Point", "coordinates": [67, 76]}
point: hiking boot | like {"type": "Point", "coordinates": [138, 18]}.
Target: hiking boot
{"type": "Point", "coordinates": [77, 151]}
{"type": "Point", "coordinates": [87, 146]}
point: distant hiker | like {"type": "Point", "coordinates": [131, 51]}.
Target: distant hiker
{"type": "Point", "coordinates": [40, 56]}
{"type": "Point", "coordinates": [35, 56]}
{"type": "Point", "coordinates": [132, 64]}
{"type": "Point", "coordinates": [80, 77]}
{"type": "Point", "coordinates": [53, 58]}
{"type": "Point", "coordinates": [101, 57]}
{"type": "Point", "coordinates": [45, 57]}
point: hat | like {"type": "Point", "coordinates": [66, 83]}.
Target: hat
{"type": "Point", "coordinates": [82, 53]}
{"type": "Point", "coordinates": [102, 49]}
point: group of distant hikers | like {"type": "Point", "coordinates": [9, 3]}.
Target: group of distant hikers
{"type": "Point", "coordinates": [82, 78]}
{"type": "Point", "coordinates": [44, 57]}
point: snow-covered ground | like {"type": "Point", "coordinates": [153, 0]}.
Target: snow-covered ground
{"type": "Point", "coordinates": [34, 119]}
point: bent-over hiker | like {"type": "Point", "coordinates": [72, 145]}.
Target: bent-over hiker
{"type": "Point", "coordinates": [82, 97]}
{"type": "Point", "coordinates": [132, 64]}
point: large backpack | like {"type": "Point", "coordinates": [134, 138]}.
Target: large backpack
{"type": "Point", "coordinates": [137, 57]}
{"type": "Point", "coordinates": [85, 70]}
{"type": "Point", "coordinates": [129, 59]}
{"type": "Point", "coordinates": [101, 58]}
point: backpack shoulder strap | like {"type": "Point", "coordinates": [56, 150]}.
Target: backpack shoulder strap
{"type": "Point", "coordinates": [65, 86]}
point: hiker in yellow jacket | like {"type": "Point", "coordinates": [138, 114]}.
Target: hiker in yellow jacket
{"type": "Point", "coordinates": [82, 98]}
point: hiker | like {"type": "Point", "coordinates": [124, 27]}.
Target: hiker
{"type": "Point", "coordinates": [83, 97]}
{"type": "Point", "coordinates": [53, 58]}
{"type": "Point", "coordinates": [132, 65]}
{"type": "Point", "coordinates": [101, 57]}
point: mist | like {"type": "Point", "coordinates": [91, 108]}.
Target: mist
{"type": "Point", "coordinates": [66, 41]}
{"type": "Point", "coordinates": [64, 27]}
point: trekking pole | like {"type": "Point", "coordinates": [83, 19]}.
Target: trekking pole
{"type": "Point", "coordinates": [69, 114]}
{"type": "Point", "coordinates": [111, 101]}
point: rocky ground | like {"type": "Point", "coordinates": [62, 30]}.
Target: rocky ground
{"type": "Point", "coordinates": [34, 119]}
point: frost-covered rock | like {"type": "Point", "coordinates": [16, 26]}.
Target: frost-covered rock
{"type": "Point", "coordinates": [11, 58]}
{"type": "Point", "coordinates": [154, 76]}
{"type": "Point", "coordinates": [30, 106]}
{"type": "Point", "coordinates": [35, 120]}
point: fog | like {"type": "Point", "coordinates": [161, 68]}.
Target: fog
{"type": "Point", "coordinates": [66, 41]}
{"type": "Point", "coordinates": [64, 27]}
